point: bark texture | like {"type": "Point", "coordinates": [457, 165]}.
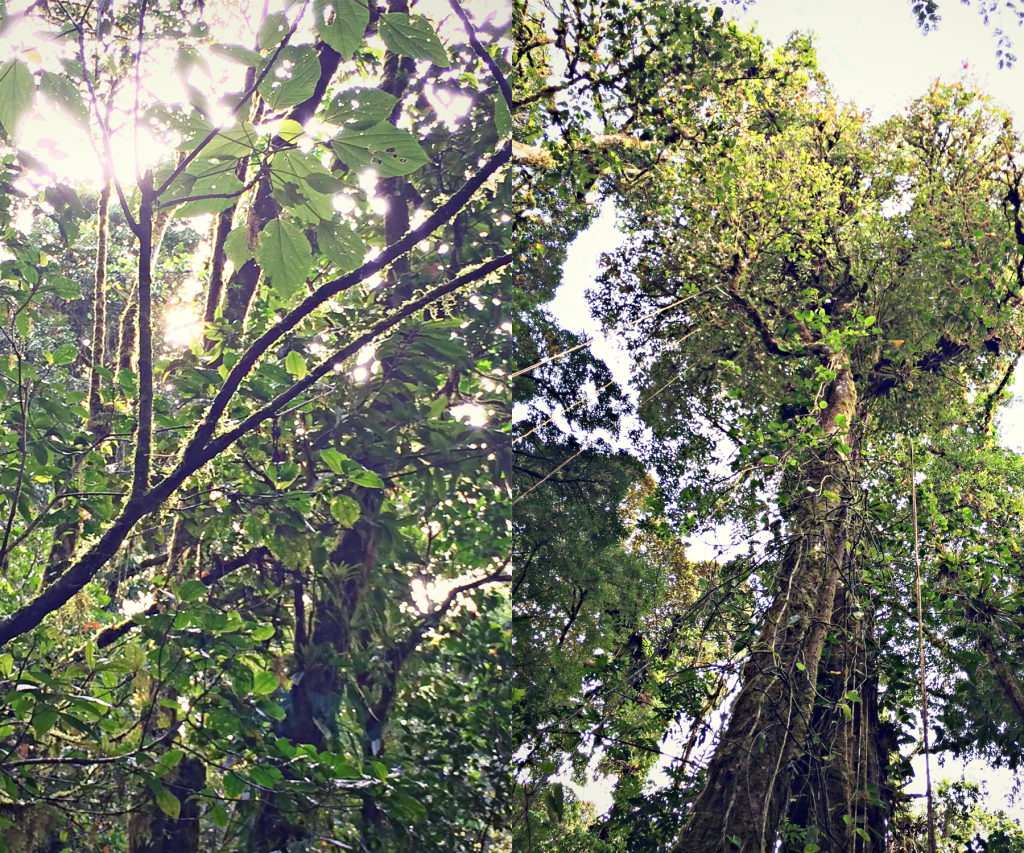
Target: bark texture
{"type": "Point", "coordinates": [749, 779]}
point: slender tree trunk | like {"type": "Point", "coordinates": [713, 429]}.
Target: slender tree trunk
{"type": "Point", "coordinates": [65, 536]}
{"type": "Point", "coordinates": [99, 310]}
{"type": "Point", "coordinates": [748, 781]}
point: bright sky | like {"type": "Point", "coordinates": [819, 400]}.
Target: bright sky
{"type": "Point", "coordinates": [874, 55]}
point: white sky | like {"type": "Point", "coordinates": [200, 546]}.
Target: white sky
{"type": "Point", "coordinates": [874, 54]}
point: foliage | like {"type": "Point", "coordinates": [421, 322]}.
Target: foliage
{"type": "Point", "coordinates": [249, 593]}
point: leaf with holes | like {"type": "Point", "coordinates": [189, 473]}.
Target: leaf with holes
{"type": "Point", "coordinates": [360, 108]}
{"type": "Point", "coordinates": [392, 152]}
{"type": "Point", "coordinates": [412, 35]}
{"type": "Point", "coordinates": [273, 30]}
{"type": "Point", "coordinates": [349, 19]}
{"type": "Point", "coordinates": [293, 78]}
{"type": "Point", "coordinates": [284, 254]}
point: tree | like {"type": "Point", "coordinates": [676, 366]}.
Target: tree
{"type": "Point", "coordinates": [815, 291]}
{"type": "Point", "coordinates": [274, 501]}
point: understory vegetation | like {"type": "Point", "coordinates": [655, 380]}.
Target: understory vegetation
{"type": "Point", "coordinates": [254, 536]}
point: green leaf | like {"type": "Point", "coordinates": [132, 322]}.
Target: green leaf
{"type": "Point", "coordinates": [129, 383]}
{"type": "Point", "coordinates": [225, 183]}
{"type": "Point", "coordinates": [409, 808]}
{"type": "Point", "coordinates": [21, 323]}
{"type": "Point", "coordinates": [274, 28]}
{"type": "Point", "coordinates": [17, 91]}
{"type": "Point", "coordinates": [237, 53]}
{"type": "Point", "coordinates": [234, 785]}
{"type": "Point", "coordinates": [811, 848]}
{"type": "Point", "coordinates": [66, 288]}
{"type": "Point", "coordinates": [192, 590]}
{"type": "Point", "coordinates": [43, 719]}
{"type": "Point", "coordinates": [289, 130]}
{"type": "Point", "coordinates": [65, 96]}
{"type": "Point", "coordinates": [345, 510]}
{"type": "Point", "coordinates": [6, 664]}
{"type": "Point", "coordinates": [554, 799]}
{"type": "Point", "coordinates": [325, 184]}
{"type": "Point", "coordinates": [412, 35]}
{"type": "Point", "coordinates": [295, 364]}
{"type": "Point", "coordinates": [392, 152]}
{"type": "Point", "coordinates": [168, 761]}
{"type": "Point", "coordinates": [333, 459]}
{"type": "Point", "coordinates": [302, 69]}
{"type": "Point", "coordinates": [502, 116]}
{"type": "Point", "coordinates": [847, 711]}
{"type": "Point", "coordinates": [169, 804]}
{"type": "Point", "coordinates": [367, 479]}
{"type": "Point", "coordinates": [364, 107]}
{"type": "Point", "coordinates": [342, 246]}
{"type": "Point", "coordinates": [348, 25]}
{"type": "Point", "coordinates": [285, 256]}
{"type": "Point", "coordinates": [272, 710]}
{"type": "Point", "coordinates": [262, 632]}
{"type": "Point", "coordinates": [264, 683]}
{"type": "Point", "coordinates": [219, 816]}
{"type": "Point", "coordinates": [65, 354]}
{"type": "Point", "coordinates": [852, 696]}
{"type": "Point", "coordinates": [236, 246]}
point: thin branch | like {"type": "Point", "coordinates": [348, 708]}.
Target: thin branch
{"type": "Point", "coordinates": [483, 53]}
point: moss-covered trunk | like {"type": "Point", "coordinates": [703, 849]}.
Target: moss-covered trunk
{"type": "Point", "coordinates": [748, 781]}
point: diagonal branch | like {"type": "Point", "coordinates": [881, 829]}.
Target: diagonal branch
{"type": "Point", "coordinates": [483, 53]}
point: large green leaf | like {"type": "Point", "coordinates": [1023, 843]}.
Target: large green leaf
{"type": "Point", "coordinates": [273, 30]}
{"type": "Point", "coordinates": [64, 95]}
{"type": "Point", "coordinates": [221, 184]}
{"type": "Point", "coordinates": [17, 91]}
{"type": "Point", "coordinates": [412, 35]}
{"type": "Point", "coordinates": [169, 804]}
{"type": "Point", "coordinates": [237, 53]}
{"type": "Point", "coordinates": [360, 108]}
{"type": "Point", "coordinates": [264, 683]}
{"type": "Point", "coordinates": [389, 150]}
{"type": "Point", "coordinates": [236, 246]}
{"type": "Point", "coordinates": [348, 24]}
{"type": "Point", "coordinates": [300, 68]}
{"type": "Point", "coordinates": [284, 254]}
{"type": "Point", "coordinates": [341, 244]}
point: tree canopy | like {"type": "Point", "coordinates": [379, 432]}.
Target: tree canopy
{"type": "Point", "coordinates": [824, 319]}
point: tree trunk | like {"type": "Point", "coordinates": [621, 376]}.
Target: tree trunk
{"type": "Point", "coordinates": [840, 784]}
{"type": "Point", "coordinates": [748, 781]}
